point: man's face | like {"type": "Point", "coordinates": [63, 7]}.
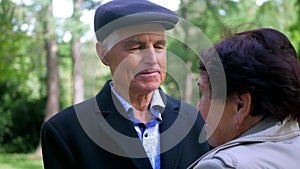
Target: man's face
{"type": "Point", "coordinates": [138, 62]}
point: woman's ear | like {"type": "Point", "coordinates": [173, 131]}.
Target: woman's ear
{"type": "Point", "coordinates": [102, 53]}
{"type": "Point", "coordinates": [243, 106]}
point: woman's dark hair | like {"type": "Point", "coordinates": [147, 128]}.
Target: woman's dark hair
{"type": "Point", "coordinates": [262, 62]}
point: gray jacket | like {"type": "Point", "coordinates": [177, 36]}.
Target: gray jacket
{"type": "Point", "coordinates": [268, 145]}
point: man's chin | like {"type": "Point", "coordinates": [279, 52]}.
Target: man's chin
{"type": "Point", "coordinates": [144, 88]}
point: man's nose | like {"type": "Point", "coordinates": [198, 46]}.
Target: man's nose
{"type": "Point", "coordinates": [150, 55]}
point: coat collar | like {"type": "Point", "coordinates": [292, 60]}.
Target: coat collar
{"type": "Point", "coordinates": [267, 130]}
{"type": "Point", "coordinates": [115, 116]}
{"type": "Point", "coordinates": [271, 129]}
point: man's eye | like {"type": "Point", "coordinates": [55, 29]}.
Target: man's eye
{"type": "Point", "coordinates": [159, 47]}
{"type": "Point", "coordinates": [135, 48]}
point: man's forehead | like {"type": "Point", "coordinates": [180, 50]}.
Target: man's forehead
{"type": "Point", "coordinates": [132, 32]}
{"type": "Point", "coordinates": [140, 38]}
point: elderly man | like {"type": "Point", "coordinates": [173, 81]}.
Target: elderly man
{"type": "Point", "coordinates": [131, 123]}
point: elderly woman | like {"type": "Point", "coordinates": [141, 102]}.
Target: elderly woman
{"type": "Point", "coordinates": [259, 124]}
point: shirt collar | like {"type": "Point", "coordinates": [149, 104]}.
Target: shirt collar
{"type": "Point", "coordinates": [156, 106]}
{"type": "Point", "coordinates": [127, 106]}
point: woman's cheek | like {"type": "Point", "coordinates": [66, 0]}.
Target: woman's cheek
{"type": "Point", "coordinates": [203, 107]}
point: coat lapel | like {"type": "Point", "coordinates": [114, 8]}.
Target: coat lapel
{"type": "Point", "coordinates": [169, 157]}
{"type": "Point", "coordinates": [130, 144]}
{"type": "Point", "coordinates": [123, 134]}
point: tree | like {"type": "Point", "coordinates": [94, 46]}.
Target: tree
{"type": "Point", "coordinates": [52, 63]}
{"type": "Point", "coordinates": [51, 48]}
{"type": "Point", "coordinates": [78, 83]}
{"type": "Point", "coordinates": [218, 19]}
{"type": "Point", "coordinates": [21, 91]}
{"type": "Point", "coordinates": [294, 28]}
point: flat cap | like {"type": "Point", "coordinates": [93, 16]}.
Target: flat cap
{"type": "Point", "coordinates": [121, 13]}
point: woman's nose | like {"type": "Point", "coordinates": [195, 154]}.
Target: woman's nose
{"type": "Point", "coordinates": [198, 106]}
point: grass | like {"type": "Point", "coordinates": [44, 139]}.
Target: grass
{"type": "Point", "coordinates": [20, 161]}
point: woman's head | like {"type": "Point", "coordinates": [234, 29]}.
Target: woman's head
{"type": "Point", "coordinates": [261, 63]}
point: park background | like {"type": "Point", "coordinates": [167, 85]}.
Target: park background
{"type": "Point", "coordinates": [40, 53]}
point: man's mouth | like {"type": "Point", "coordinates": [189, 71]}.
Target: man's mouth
{"type": "Point", "coordinates": [149, 72]}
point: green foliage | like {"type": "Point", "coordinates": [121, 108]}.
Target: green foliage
{"type": "Point", "coordinates": [95, 74]}
{"type": "Point", "coordinates": [20, 161]}
{"type": "Point", "coordinates": [65, 74]}
{"type": "Point", "coordinates": [220, 18]}
{"type": "Point", "coordinates": [21, 120]}
{"type": "Point", "coordinates": [294, 29]}
{"type": "Point", "coordinates": [21, 90]}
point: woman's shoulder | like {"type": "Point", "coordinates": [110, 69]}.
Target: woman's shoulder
{"type": "Point", "coordinates": [261, 154]}
{"type": "Point", "coordinates": [211, 164]}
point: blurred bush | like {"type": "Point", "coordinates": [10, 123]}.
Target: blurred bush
{"type": "Point", "coordinates": [20, 121]}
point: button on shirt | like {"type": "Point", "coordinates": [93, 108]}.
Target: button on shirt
{"type": "Point", "coordinates": [149, 134]}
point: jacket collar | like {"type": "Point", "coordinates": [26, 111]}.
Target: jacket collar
{"type": "Point", "coordinates": [271, 129]}
{"type": "Point", "coordinates": [115, 116]}
{"type": "Point", "coordinates": [266, 130]}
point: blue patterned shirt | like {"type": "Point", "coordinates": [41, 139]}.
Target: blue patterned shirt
{"type": "Point", "coordinates": [149, 134]}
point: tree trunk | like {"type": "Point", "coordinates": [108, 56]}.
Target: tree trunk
{"type": "Point", "coordinates": [188, 85]}
{"type": "Point", "coordinates": [52, 79]}
{"type": "Point", "coordinates": [51, 48]}
{"type": "Point", "coordinates": [189, 77]}
{"type": "Point", "coordinates": [78, 82]}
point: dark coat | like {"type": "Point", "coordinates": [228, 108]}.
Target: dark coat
{"type": "Point", "coordinates": [95, 135]}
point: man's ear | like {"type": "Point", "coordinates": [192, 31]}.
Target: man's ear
{"type": "Point", "coordinates": [102, 53]}
{"type": "Point", "coordinates": [243, 107]}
